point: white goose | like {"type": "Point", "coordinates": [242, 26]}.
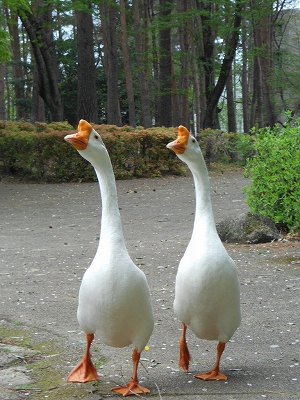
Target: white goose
{"type": "Point", "coordinates": [114, 297]}
{"type": "Point", "coordinates": [207, 294]}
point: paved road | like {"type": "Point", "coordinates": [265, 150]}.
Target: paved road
{"type": "Point", "coordinates": [48, 237]}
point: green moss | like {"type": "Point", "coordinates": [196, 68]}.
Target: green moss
{"type": "Point", "coordinates": [253, 223]}
{"type": "Point", "coordinates": [48, 376]}
{"type": "Point", "coordinates": [17, 337]}
{"type": "Point", "coordinates": [294, 260]}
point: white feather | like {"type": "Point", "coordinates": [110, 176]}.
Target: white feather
{"type": "Point", "coordinates": [207, 290]}
{"type": "Point", "coordinates": [114, 297]}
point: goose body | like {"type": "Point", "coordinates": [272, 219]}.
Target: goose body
{"type": "Point", "coordinates": [103, 294]}
{"type": "Point", "coordinates": [209, 306]}
{"type": "Point", "coordinates": [114, 297]}
{"type": "Point", "coordinates": [207, 289]}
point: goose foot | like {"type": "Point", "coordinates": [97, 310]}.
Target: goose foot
{"type": "Point", "coordinates": [85, 371]}
{"type": "Point", "coordinates": [214, 374]}
{"type": "Point", "coordinates": [211, 376]}
{"type": "Point", "coordinates": [131, 388]}
{"type": "Point", "coordinates": [184, 355]}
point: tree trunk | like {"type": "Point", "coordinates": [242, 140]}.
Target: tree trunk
{"type": "Point", "coordinates": [199, 54]}
{"type": "Point", "coordinates": [46, 61]}
{"type": "Point", "coordinates": [37, 103]}
{"type": "Point", "coordinates": [256, 89]}
{"type": "Point", "coordinates": [142, 77]}
{"type": "Point", "coordinates": [184, 78]}
{"type": "Point", "coordinates": [230, 104]}
{"type": "Point", "coordinates": [8, 97]}
{"type": "Point", "coordinates": [267, 70]}
{"type": "Point", "coordinates": [18, 76]}
{"type": "Point", "coordinates": [245, 87]}
{"type": "Point", "coordinates": [231, 114]}
{"type": "Point", "coordinates": [127, 69]}
{"type": "Point", "coordinates": [207, 59]}
{"type": "Point", "coordinates": [2, 102]}
{"type": "Point", "coordinates": [196, 90]}
{"type": "Point", "coordinates": [263, 42]}
{"type": "Point", "coordinates": [86, 71]}
{"type": "Point", "coordinates": [155, 67]}
{"type": "Point", "coordinates": [165, 66]}
{"type": "Point", "coordinates": [176, 109]}
{"type": "Point", "coordinates": [214, 92]}
{"type": "Point", "coordinates": [108, 14]}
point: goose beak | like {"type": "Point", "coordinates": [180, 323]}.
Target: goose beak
{"type": "Point", "coordinates": [80, 139]}
{"type": "Point", "coordinates": [180, 144]}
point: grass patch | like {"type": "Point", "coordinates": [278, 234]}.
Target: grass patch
{"type": "Point", "coordinates": [45, 366]}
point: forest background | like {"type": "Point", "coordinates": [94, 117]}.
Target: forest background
{"type": "Point", "coordinates": [223, 64]}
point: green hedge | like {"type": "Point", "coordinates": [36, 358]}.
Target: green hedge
{"type": "Point", "coordinates": [220, 147]}
{"type": "Point", "coordinates": [39, 152]}
{"type": "Point", "coordinates": [275, 173]}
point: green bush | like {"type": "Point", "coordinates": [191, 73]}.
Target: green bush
{"type": "Point", "coordinates": [39, 152]}
{"type": "Point", "coordinates": [140, 152]}
{"type": "Point", "coordinates": [275, 173]}
{"type": "Point", "coordinates": [221, 147]}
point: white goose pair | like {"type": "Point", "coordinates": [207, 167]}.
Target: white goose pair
{"type": "Point", "coordinates": [114, 297]}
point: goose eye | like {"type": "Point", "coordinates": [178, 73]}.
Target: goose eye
{"type": "Point", "coordinates": [96, 137]}
{"type": "Point", "coordinates": [194, 140]}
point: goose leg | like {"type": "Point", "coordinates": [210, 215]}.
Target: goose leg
{"type": "Point", "coordinates": [184, 355]}
{"type": "Point", "coordinates": [214, 374]}
{"type": "Point", "coordinates": [85, 371]}
{"type": "Point", "coordinates": [132, 387]}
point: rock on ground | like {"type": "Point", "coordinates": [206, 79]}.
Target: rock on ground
{"type": "Point", "coordinates": [247, 228]}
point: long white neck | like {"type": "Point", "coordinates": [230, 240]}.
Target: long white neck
{"type": "Point", "coordinates": [111, 232]}
{"type": "Point", "coordinates": [204, 219]}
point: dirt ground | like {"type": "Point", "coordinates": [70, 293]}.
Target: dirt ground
{"type": "Point", "coordinates": [48, 237]}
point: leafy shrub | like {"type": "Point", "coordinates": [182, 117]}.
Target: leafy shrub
{"type": "Point", "coordinates": [39, 151]}
{"type": "Point", "coordinates": [221, 147]}
{"type": "Point", "coordinates": [42, 153]}
{"type": "Point", "coordinates": [275, 173]}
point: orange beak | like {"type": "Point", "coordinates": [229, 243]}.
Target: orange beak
{"type": "Point", "coordinates": [80, 139]}
{"type": "Point", "coordinates": [179, 145]}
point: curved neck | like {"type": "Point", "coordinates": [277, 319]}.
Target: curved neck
{"type": "Point", "coordinates": [111, 232]}
{"type": "Point", "coordinates": [204, 218]}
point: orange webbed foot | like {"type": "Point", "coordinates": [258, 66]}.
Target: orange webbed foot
{"type": "Point", "coordinates": [83, 372]}
{"type": "Point", "coordinates": [131, 388]}
{"type": "Point", "coordinates": [212, 376]}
